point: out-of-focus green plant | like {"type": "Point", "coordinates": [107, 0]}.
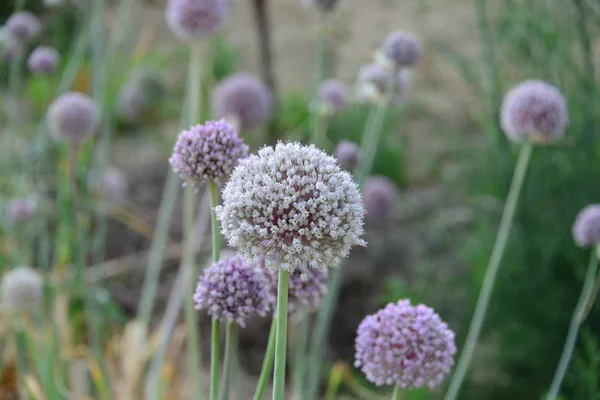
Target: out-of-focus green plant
{"type": "Point", "coordinates": [585, 368]}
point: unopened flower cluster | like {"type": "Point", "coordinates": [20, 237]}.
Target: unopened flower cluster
{"type": "Point", "coordinates": [405, 346]}
{"type": "Point", "coordinates": [292, 207]}
{"type": "Point", "coordinates": [586, 229]}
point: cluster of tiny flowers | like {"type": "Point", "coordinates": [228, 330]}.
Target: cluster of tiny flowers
{"type": "Point", "coordinates": [334, 95]}
{"type": "Point", "coordinates": [21, 289]}
{"type": "Point", "coordinates": [305, 289]}
{"type": "Point", "coordinates": [73, 117]}
{"type": "Point", "coordinates": [233, 290]}
{"type": "Point", "coordinates": [373, 81]}
{"type": "Point", "coordinates": [21, 209]}
{"type": "Point", "coordinates": [111, 182]}
{"type": "Point", "coordinates": [196, 19]}
{"type": "Point", "coordinates": [586, 229]}
{"type": "Point", "coordinates": [405, 346]}
{"type": "Point", "coordinates": [207, 152]}
{"type": "Point", "coordinates": [380, 196]}
{"type": "Point", "coordinates": [24, 26]}
{"type": "Point", "coordinates": [348, 154]}
{"type": "Point", "coordinates": [292, 207]}
{"type": "Point", "coordinates": [324, 5]}
{"type": "Point", "coordinates": [43, 60]}
{"type": "Point", "coordinates": [245, 98]}
{"type": "Point", "coordinates": [402, 50]}
{"type": "Point", "coordinates": [534, 110]}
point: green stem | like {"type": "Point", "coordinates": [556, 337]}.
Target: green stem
{"type": "Point", "coordinates": [396, 393]}
{"type": "Point", "coordinates": [229, 359]}
{"type": "Point", "coordinates": [321, 58]}
{"type": "Point", "coordinates": [576, 321]}
{"type": "Point", "coordinates": [214, 359]}
{"type": "Point", "coordinates": [320, 131]}
{"type": "Point", "coordinates": [491, 271]}
{"type": "Point", "coordinates": [281, 336]}
{"type": "Point", "coordinates": [191, 320]}
{"type": "Point", "coordinates": [300, 355]}
{"type": "Point", "coordinates": [216, 234]}
{"type": "Point", "coordinates": [267, 366]}
{"type": "Point", "coordinates": [195, 79]}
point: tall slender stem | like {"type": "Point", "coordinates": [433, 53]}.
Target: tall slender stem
{"type": "Point", "coordinates": [229, 359]}
{"type": "Point", "coordinates": [576, 321]}
{"type": "Point", "coordinates": [267, 366]}
{"type": "Point", "coordinates": [214, 359]}
{"type": "Point", "coordinates": [216, 234]}
{"type": "Point", "coordinates": [320, 131]}
{"type": "Point", "coordinates": [281, 336]}
{"type": "Point", "coordinates": [216, 249]}
{"type": "Point", "coordinates": [316, 130]}
{"type": "Point", "coordinates": [300, 355]}
{"type": "Point", "coordinates": [396, 393]}
{"type": "Point", "coordinates": [491, 271]}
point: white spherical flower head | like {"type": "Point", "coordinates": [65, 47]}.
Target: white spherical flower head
{"type": "Point", "coordinates": [292, 207]}
{"type": "Point", "coordinates": [21, 289]}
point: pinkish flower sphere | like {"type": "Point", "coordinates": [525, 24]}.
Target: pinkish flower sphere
{"type": "Point", "coordinates": [348, 154]}
{"type": "Point", "coordinates": [402, 49]}
{"type": "Point", "coordinates": [534, 110]}
{"type": "Point", "coordinates": [24, 26]}
{"type": "Point", "coordinates": [381, 197]}
{"type": "Point", "coordinates": [374, 80]}
{"type": "Point", "coordinates": [43, 60]}
{"type": "Point", "coordinates": [305, 290]}
{"type": "Point", "coordinates": [73, 117]}
{"type": "Point", "coordinates": [21, 209]}
{"type": "Point", "coordinates": [405, 346]}
{"type": "Point", "coordinates": [245, 98]}
{"type": "Point", "coordinates": [233, 290]}
{"type": "Point", "coordinates": [334, 95]}
{"type": "Point", "coordinates": [192, 20]}
{"type": "Point", "coordinates": [207, 152]}
{"type": "Point", "coordinates": [586, 229]}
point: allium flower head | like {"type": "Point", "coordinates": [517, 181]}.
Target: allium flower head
{"type": "Point", "coordinates": [207, 152]}
{"type": "Point", "coordinates": [380, 196]}
{"type": "Point", "coordinates": [21, 209]}
{"type": "Point", "coordinates": [323, 5]}
{"type": "Point", "coordinates": [334, 95]}
{"type": "Point", "coordinates": [348, 154]}
{"type": "Point", "coordinates": [43, 60]}
{"type": "Point", "coordinates": [405, 346]}
{"type": "Point", "coordinates": [73, 117]}
{"type": "Point", "coordinates": [21, 289]}
{"type": "Point", "coordinates": [111, 182]}
{"type": "Point", "coordinates": [401, 50]}
{"type": "Point", "coordinates": [233, 290]}
{"type": "Point", "coordinates": [373, 81]}
{"type": "Point", "coordinates": [586, 229]}
{"type": "Point", "coordinates": [292, 207]}
{"type": "Point", "coordinates": [23, 25]}
{"type": "Point", "coordinates": [244, 97]}
{"type": "Point", "coordinates": [534, 110]}
{"type": "Point", "coordinates": [305, 289]}
{"type": "Point", "coordinates": [196, 19]}
{"type": "Point", "coordinates": [53, 3]}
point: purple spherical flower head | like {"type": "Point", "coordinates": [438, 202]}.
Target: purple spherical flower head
{"type": "Point", "coordinates": [305, 289]}
{"type": "Point", "coordinates": [333, 95]}
{"type": "Point", "coordinates": [196, 19]}
{"type": "Point", "coordinates": [380, 196]}
{"type": "Point", "coordinates": [405, 346]}
{"type": "Point", "coordinates": [233, 290]}
{"type": "Point", "coordinates": [73, 117]}
{"type": "Point", "coordinates": [348, 154]}
{"type": "Point", "coordinates": [244, 97]}
{"type": "Point", "coordinates": [110, 182]}
{"type": "Point", "coordinates": [534, 110]}
{"type": "Point", "coordinates": [402, 49]}
{"type": "Point", "coordinates": [373, 81]}
{"type": "Point", "coordinates": [21, 209]}
{"type": "Point", "coordinates": [323, 5]}
{"type": "Point", "coordinates": [207, 152]}
{"type": "Point", "coordinates": [586, 229]}
{"type": "Point", "coordinates": [23, 25]}
{"type": "Point", "coordinates": [43, 60]}
{"type": "Point", "coordinates": [292, 207]}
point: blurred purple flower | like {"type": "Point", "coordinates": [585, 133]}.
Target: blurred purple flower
{"type": "Point", "coordinates": [21, 209]}
{"type": "Point", "coordinates": [348, 154]}
{"type": "Point", "coordinates": [586, 229]}
{"type": "Point", "coordinates": [305, 289]}
{"type": "Point", "coordinates": [373, 80]}
{"type": "Point", "coordinates": [43, 60]}
{"type": "Point", "coordinates": [381, 197]}
{"type": "Point", "coordinates": [196, 19]}
{"type": "Point", "coordinates": [334, 95]}
{"type": "Point", "coordinates": [402, 49]}
{"type": "Point", "coordinates": [24, 26]}
{"type": "Point", "coordinates": [73, 117]}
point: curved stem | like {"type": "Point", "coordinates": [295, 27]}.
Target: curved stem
{"type": "Point", "coordinates": [214, 359]}
{"type": "Point", "coordinates": [228, 362]}
{"type": "Point", "coordinates": [396, 394]}
{"type": "Point", "coordinates": [576, 321]}
{"type": "Point", "coordinates": [491, 271]}
{"type": "Point", "coordinates": [267, 366]}
{"type": "Point", "coordinates": [281, 336]}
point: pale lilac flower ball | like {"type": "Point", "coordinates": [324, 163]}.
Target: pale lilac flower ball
{"type": "Point", "coordinates": [374, 80]}
{"type": "Point", "coordinates": [292, 207]}
{"type": "Point", "coordinates": [43, 60]}
{"type": "Point", "coordinates": [73, 117]}
{"type": "Point", "coordinates": [381, 197]}
{"type": "Point", "coordinates": [534, 110]}
{"type": "Point", "coordinates": [196, 19]}
{"type": "Point", "coordinates": [348, 154]}
{"type": "Point", "coordinates": [334, 95]}
{"type": "Point", "coordinates": [233, 290]}
{"type": "Point", "coordinates": [21, 209]}
{"type": "Point", "coordinates": [402, 49]}
{"type": "Point", "coordinates": [305, 289]}
{"type": "Point", "coordinates": [207, 152]}
{"type": "Point", "coordinates": [21, 289]}
{"type": "Point", "coordinates": [586, 229]}
{"type": "Point", "coordinates": [405, 346]}
{"type": "Point", "coordinates": [323, 5]}
{"type": "Point", "coordinates": [244, 97]}
{"type": "Point", "coordinates": [23, 25]}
